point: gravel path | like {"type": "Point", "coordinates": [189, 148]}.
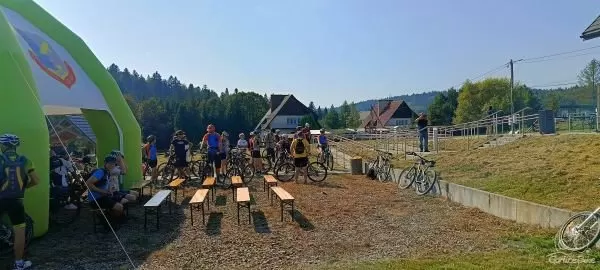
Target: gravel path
{"type": "Point", "coordinates": [347, 218]}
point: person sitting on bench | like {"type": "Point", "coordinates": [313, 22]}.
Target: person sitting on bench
{"type": "Point", "coordinates": [100, 194]}
{"type": "Point", "coordinates": [120, 195]}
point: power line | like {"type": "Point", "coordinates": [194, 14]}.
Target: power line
{"type": "Point", "coordinates": [554, 85]}
{"type": "Point", "coordinates": [552, 59]}
{"type": "Point", "coordinates": [560, 53]}
{"type": "Point", "coordinates": [494, 70]}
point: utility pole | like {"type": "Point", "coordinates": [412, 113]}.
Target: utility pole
{"type": "Point", "coordinates": [512, 103]}
{"type": "Point", "coordinates": [597, 88]}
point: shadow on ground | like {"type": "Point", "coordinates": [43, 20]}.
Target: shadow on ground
{"type": "Point", "coordinates": [56, 249]}
{"type": "Point", "coordinates": [299, 218]}
{"type": "Point", "coordinates": [261, 224]}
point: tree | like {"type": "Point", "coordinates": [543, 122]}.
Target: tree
{"type": "Point", "coordinates": [552, 102]}
{"type": "Point", "coordinates": [441, 110]}
{"type": "Point", "coordinates": [310, 120]}
{"type": "Point", "coordinates": [344, 114]}
{"type": "Point", "coordinates": [235, 91]}
{"type": "Point", "coordinates": [332, 119]}
{"type": "Point", "coordinates": [589, 77]}
{"type": "Point", "coordinates": [354, 117]}
{"type": "Point", "coordinates": [311, 107]}
{"type": "Point", "coordinates": [319, 113]}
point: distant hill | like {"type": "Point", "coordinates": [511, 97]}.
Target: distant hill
{"type": "Point", "coordinates": [417, 102]}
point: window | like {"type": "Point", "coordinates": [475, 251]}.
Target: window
{"type": "Point", "coordinates": [292, 121]}
{"type": "Point", "coordinates": [401, 122]}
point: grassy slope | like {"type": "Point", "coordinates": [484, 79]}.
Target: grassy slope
{"type": "Point", "coordinates": [561, 171]}
{"type": "Point", "coordinates": [522, 252]}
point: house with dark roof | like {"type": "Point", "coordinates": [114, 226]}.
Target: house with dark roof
{"type": "Point", "coordinates": [285, 113]}
{"type": "Point", "coordinates": [389, 113]}
{"type": "Point", "coordinates": [592, 31]}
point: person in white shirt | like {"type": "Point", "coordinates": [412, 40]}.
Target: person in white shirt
{"type": "Point", "coordinates": [119, 195]}
{"type": "Point", "coordinates": [59, 171]}
{"type": "Point", "coordinates": [242, 144]}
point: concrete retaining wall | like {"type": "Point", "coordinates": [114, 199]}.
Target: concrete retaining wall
{"type": "Point", "coordinates": [499, 205]}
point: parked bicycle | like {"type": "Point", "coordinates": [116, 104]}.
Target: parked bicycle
{"type": "Point", "coordinates": [421, 174]}
{"type": "Point", "coordinates": [381, 167]}
{"type": "Point", "coordinates": [579, 232]}
{"type": "Point", "coordinates": [7, 237]}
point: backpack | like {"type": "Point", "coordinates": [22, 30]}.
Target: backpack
{"type": "Point", "coordinates": [13, 178]}
{"type": "Point", "coordinates": [299, 149]}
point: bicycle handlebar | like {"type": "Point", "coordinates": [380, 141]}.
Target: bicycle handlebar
{"type": "Point", "coordinates": [420, 157]}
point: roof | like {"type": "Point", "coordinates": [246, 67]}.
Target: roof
{"type": "Point", "coordinates": [364, 115]}
{"type": "Point", "coordinates": [592, 31]}
{"type": "Point", "coordinates": [70, 127]}
{"type": "Point", "coordinates": [389, 110]}
{"type": "Point", "coordinates": [283, 105]}
{"type": "Point", "coordinates": [83, 125]}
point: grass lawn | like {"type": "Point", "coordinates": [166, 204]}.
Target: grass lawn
{"type": "Point", "coordinates": [561, 171]}
{"type": "Point", "coordinates": [522, 252]}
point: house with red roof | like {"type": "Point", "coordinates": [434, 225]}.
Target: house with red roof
{"type": "Point", "coordinates": [389, 113]}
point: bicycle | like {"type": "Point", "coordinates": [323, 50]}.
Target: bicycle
{"type": "Point", "coordinates": [382, 167]}
{"type": "Point", "coordinates": [317, 171]}
{"type": "Point", "coordinates": [420, 174]}
{"type": "Point", "coordinates": [579, 235]}
{"type": "Point", "coordinates": [326, 157]}
{"type": "Point", "coordinates": [7, 237]}
{"type": "Point", "coordinates": [59, 198]}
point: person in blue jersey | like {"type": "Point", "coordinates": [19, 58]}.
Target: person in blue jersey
{"type": "Point", "coordinates": [100, 194]}
{"type": "Point", "coordinates": [17, 173]}
{"type": "Point", "coordinates": [151, 156]}
{"type": "Point", "coordinates": [212, 142]}
{"type": "Point", "coordinates": [181, 147]}
{"type": "Point", "coordinates": [323, 143]}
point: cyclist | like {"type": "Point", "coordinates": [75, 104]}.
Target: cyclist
{"type": "Point", "coordinates": [277, 135]}
{"type": "Point", "coordinates": [116, 185]}
{"type": "Point", "coordinates": [99, 185]}
{"type": "Point", "coordinates": [224, 151]}
{"type": "Point", "coordinates": [270, 144]}
{"type": "Point", "coordinates": [212, 141]}
{"type": "Point", "coordinates": [300, 150]}
{"type": "Point", "coordinates": [151, 155]}
{"type": "Point", "coordinates": [18, 174]}
{"type": "Point", "coordinates": [242, 144]}
{"type": "Point", "coordinates": [180, 146]}
{"type": "Point", "coordinates": [59, 178]}
{"type": "Point", "coordinates": [255, 147]}
{"type": "Point", "coordinates": [322, 142]}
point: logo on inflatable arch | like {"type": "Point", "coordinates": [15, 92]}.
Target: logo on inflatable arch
{"type": "Point", "coordinates": [48, 60]}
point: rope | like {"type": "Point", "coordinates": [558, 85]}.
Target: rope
{"type": "Point", "coordinates": [90, 193]}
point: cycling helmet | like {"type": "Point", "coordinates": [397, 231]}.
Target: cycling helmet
{"type": "Point", "coordinates": [307, 125]}
{"type": "Point", "coordinates": [224, 134]}
{"type": "Point", "coordinates": [277, 131]}
{"type": "Point", "coordinates": [210, 128]}
{"type": "Point", "coordinates": [151, 138]}
{"type": "Point", "coordinates": [252, 133]}
{"type": "Point", "coordinates": [179, 132]}
{"type": "Point", "coordinates": [10, 140]}
{"type": "Point", "coordinates": [110, 159]}
{"type": "Point", "coordinates": [241, 135]}
{"type": "Point", "coordinates": [322, 130]}
{"type": "Point", "coordinates": [117, 153]}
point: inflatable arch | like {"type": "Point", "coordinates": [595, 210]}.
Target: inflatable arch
{"type": "Point", "coordinates": [46, 68]}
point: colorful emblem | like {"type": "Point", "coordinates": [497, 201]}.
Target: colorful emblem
{"type": "Point", "coordinates": [48, 60]}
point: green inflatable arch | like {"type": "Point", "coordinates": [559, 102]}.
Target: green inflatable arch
{"type": "Point", "coordinates": [44, 64]}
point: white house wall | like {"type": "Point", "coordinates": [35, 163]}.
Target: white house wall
{"type": "Point", "coordinates": [286, 122]}
{"type": "Point", "coordinates": [399, 122]}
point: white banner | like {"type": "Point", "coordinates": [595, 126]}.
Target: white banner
{"type": "Point", "coordinates": [59, 79]}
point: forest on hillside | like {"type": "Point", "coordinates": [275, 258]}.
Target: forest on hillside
{"type": "Point", "coordinates": [163, 105]}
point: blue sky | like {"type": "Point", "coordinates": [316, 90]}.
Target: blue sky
{"type": "Point", "coordinates": [331, 51]}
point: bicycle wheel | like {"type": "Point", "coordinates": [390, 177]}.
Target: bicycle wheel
{"type": "Point", "coordinates": [247, 174]}
{"type": "Point", "coordinates": [317, 171]}
{"type": "Point", "coordinates": [385, 174]}
{"type": "Point", "coordinates": [6, 244]}
{"type": "Point", "coordinates": [330, 161]}
{"type": "Point", "coordinates": [428, 178]}
{"type": "Point", "coordinates": [407, 177]}
{"type": "Point", "coordinates": [266, 161]}
{"type": "Point", "coordinates": [195, 168]}
{"type": "Point", "coordinates": [577, 239]}
{"type": "Point", "coordinates": [285, 172]}
{"type": "Point", "coordinates": [167, 175]}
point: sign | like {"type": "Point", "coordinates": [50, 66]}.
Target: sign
{"type": "Point", "coordinates": [59, 80]}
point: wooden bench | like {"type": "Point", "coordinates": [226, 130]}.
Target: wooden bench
{"type": "Point", "coordinates": [175, 185]}
{"type": "Point", "coordinates": [269, 181]}
{"type": "Point", "coordinates": [198, 201]}
{"type": "Point", "coordinates": [284, 198]}
{"type": "Point", "coordinates": [153, 205]}
{"type": "Point", "coordinates": [236, 182]}
{"type": "Point", "coordinates": [98, 215]}
{"type": "Point", "coordinates": [141, 185]}
{"type": "Point", "coordinates": [243, 200]}
{"type": "Point", "coordinates": [209, 183]}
